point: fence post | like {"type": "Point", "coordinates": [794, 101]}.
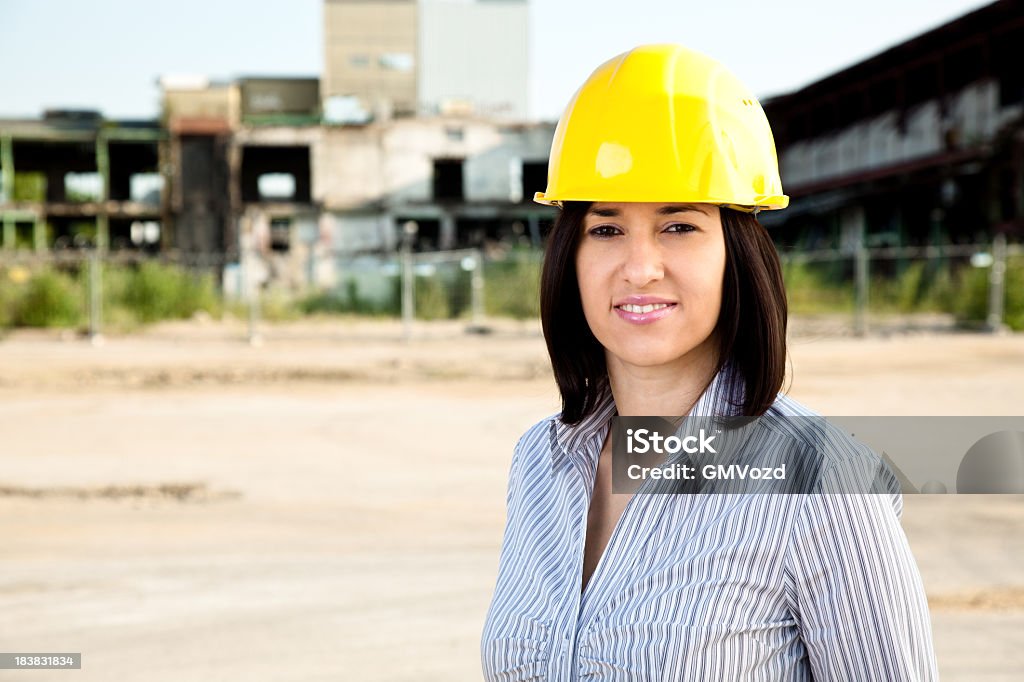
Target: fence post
{"type": "Point", "coordinates": [997, 284]}
{"type": "Point", "coordinates": [254, 314]}
{"type": "Point", "coordinates": [477, 289]}
{"type": "Point", "coordinates": [95, 298]}
{"type": "Point", "coordinates": [39, 234]}
{"type": "Point", "coordinates": [860, 313]}
{"type": "Point", "coordinates": [250, 289]}
{"type": "Point", "coordinates": [409, 230]}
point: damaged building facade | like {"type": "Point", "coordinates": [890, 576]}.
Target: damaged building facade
{"type": "Point", "coordinates": [254, 160]}
{"type": "Point", "coordinates": [304, 172]}
{"type": "Point", "coordinates": [921, 144]}
{"type": "Point", "coordinates": [72, 179]}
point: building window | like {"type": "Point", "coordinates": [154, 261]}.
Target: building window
{"type": "Point", "coordinates": [359, 61]}
{"type": "Point", "coordinates": [276, 186]}
{"type": "Point", "coordinates": [455, 134]}
{"type": "Point", "coordinates": [396, 61]}
{"type": "Point", "coordinates": [448, 180]}
{"type": "Point", "coordinates": [270, 173]}
{"type": "Point", "coordinates": [83, 186]}
{"type": "Point", "coordinates": [144, 233]}
{"type": "Point", "coordinates": [280, 234]}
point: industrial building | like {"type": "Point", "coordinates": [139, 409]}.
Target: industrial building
{"type": "Point", "coordinates": [920, 144]}
{"type": "Point", "coordinates": [72, 179]}
{"type": "Point", "coordinates": [408, 57]}
{"type": "Point", "coordinates": [406, 123]}
{"type": "Point", "coordinates": [254, 157]}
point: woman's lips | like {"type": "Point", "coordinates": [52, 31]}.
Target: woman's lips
{"type": "Point", "coordinates": [644, 314]}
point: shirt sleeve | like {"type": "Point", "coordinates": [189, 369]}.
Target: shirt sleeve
{"type": "Point", "coordinates": [524, 453]}
{"type": "Point", "coordinates": [856, 590]}
{"type": "Point", "coordinates": [513, 471]}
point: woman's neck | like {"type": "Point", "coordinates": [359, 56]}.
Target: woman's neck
{"type": "Point", "coordinates": [665, 390]}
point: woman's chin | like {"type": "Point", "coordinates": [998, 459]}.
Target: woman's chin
{"type": "Point", "coordinates": [652, 357]}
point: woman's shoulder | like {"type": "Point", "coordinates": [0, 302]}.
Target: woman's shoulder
{"type": "Point", "coordinates": [537, 431]}
{"type": "Point", "coordinates": [801, 424]}
{"type": "Point", "coordinates": [537, 438]}
{"type": "Point", "coordinates": [846, 463]}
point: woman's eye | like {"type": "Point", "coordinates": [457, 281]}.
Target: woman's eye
{"type": "Point", "coordinates": [680, 227]}
{"type": "Point", "coordinates": [604, 231]}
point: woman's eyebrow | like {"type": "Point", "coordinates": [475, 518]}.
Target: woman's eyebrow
{"type": "Point", "coordinates": [668, 210]}
{"type": "Point", "coordinates": [664, 210]}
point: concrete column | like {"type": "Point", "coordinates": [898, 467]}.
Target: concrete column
{"type": "Point", "coordinates": [103, 168]}
{"type": "Point", "coordinates": [6, 169]}
{"type": "Point", "coordinates": [9, 234]}
{"type": "Point", "coordinates": [165, 163]}
{"type": "Point", "coordinates": [389, 231]}
{"type": "Point", "coordinates": [233, 228]}
{"type": "Point", "coordinates": [447, 236]}
{"type": "Point", "coordinates": [7, 184]}
{"type": "Point", "coordinates": [7, 187]}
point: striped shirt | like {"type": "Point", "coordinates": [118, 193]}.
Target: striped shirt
{"type": "Point", "coordinates": [695, 587]}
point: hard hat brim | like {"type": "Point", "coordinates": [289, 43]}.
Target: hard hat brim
{"type": "Point", "coordinates": [770, 203]}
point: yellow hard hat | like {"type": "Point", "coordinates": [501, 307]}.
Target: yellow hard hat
{"type": "Point", "coordinates": [664, 123]}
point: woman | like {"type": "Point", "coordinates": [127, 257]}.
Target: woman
{"type": "Point", "coordinates": [662, 295]}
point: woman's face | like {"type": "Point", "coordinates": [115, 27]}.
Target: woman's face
{"type": "Point", "coordinates": [650, 278]}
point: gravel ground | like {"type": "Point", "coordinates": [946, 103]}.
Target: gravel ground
{"type": "Point", "coordinates": [329, 505]}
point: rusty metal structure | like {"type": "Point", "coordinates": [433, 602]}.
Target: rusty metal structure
{"type": "Point", "coordinates": [922, 143]}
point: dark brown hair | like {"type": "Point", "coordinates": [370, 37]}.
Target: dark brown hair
{"type": "Point", "coordinates": [751, 326]}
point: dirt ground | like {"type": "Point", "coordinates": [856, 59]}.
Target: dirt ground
{"type": "Point", "coordinates": [181, 505]}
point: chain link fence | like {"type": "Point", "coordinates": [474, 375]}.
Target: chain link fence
{"type": "Point", "coordinates": [977, 286]}
{"type": "Point", "coordinates": [88, 291]}
{"type": "Point", "coordinates": [974, 286]}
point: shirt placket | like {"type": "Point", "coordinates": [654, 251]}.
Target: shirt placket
{"type": "Point", "coordinates": [582, 616]}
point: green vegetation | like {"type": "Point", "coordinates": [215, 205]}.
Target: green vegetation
{"type": "Point", "coordinates": [512, 286]}
{"type": "Point", "coordinates": [154, 291]}
{"type": "Point", "coordinates": [29, 186]}
{"type": "Point", "coordinates": [48, 299]}
{"type": "Point", "coordinates": [443, 294]}
{"type": "Point", "coordinates": [815, 288]}
{"type": "Point", "coordinates": [132, 296]}
{"type": "Point", "coordinates": [432, 299]}
{"type": "Point", "coordinates": [349, 299]}
{"type": "Point", "coordinates": [920, 287]}
{"type": "Point", "coordinates": [971, 302]}
{"type": "Point", "coordinates": [135, 295]}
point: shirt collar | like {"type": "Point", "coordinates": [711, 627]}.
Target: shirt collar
{"type": "Point", "coordinates": [723, 397]}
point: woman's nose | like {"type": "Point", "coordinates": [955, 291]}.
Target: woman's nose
{"type": "Point", "coordinates": [644, 262]}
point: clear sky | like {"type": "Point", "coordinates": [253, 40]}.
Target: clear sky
{"type": "Point", "coordinates": [107, 54]}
